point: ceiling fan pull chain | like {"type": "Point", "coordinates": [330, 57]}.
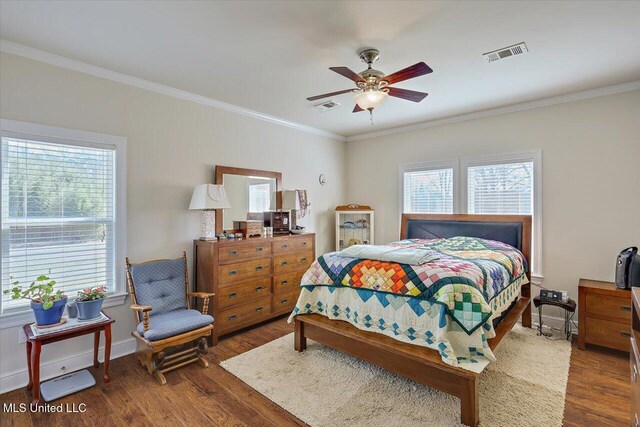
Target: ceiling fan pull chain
{"type": "Point", "coordinates": [371, 115]}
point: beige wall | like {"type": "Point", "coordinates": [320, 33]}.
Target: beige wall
{"type": "Point", "coordinates": [172, 145]}
{"type": "Point", "coordinates": [590, 173]}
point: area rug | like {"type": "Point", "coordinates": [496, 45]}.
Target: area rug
{"type": "Point", "coordinates": [323, 387]}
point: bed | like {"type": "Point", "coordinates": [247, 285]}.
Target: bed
{"type": "Point", "coordinates": [443, 355]}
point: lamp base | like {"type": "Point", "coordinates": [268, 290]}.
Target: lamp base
{"type": "Point", "coordinates": [208, 223]}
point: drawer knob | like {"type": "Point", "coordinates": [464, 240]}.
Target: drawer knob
{"type": "Point", "coordinates": [233, 273]}
{"type": "Point", "coordinates": [304, 243]}
{"type": "Point", "coordinates": [259, 268]}
{"type": "Point", "coordinates": [259, 288]}
{"type": "Point", "coordinates": [625, 308]}
{"type": "Point", "coordinates": [233, 253]}
{"type": "Point", "coordinates": [258, 249]}
{"type": "Point", "coordinates": [233, 294]}
{"type": "Point", "coordinates": [284, 301]}
{"type": "Point", "coordinates": [233, 317]}
{"type": "Point", "coordinates": [284, 246]}
{"type": "Point", "coordinates": [283, 263]}
{"type": "Point", "coordinates": [259, 308]}
{"type": "Point", "coordinates": [303, 259]}
{"type": "Point", "coordinates": [625, 334]}
{"type": "Point", "coordinates": [284, 282]}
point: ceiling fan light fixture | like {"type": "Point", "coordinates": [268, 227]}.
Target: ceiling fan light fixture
{"type": "Point", "coordinates": [369, 100]}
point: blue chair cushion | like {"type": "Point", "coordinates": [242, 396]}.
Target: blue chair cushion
{"type": "Point", "coordinates": [160, 284]}
{"type": "Point", "coordinates": [173, 323]}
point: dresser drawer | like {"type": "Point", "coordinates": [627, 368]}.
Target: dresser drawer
{"type": "Point", "coordinates": [608, 334]}
{"type": "Point", "coordinates": [245, 250]}
{"type": "Point", "coordinates": [242, 271]}
{"type": "Point", "coordinates": [283, 246]}
{"type": "Point", "coordinates": [287, 282]}
{"type": "Point", "coordinates": [234, 294]}
{"type": "Point", "coordinates": [244, 314]}
{"type": "Point", "coordinates": [609, 306]}
{"type": "Point", "coordinates": [293, 262]}
{"type": "Point", "coordinates": [285, 302]}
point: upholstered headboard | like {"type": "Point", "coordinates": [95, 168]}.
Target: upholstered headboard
{"type": "Point", "coordinates": [514, 230]}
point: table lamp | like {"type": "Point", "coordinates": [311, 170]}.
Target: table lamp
{"type": "Point", "coordinates": [208, 198]}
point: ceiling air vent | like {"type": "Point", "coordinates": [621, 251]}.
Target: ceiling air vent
{"type": "Point", "coordinates": [326, 106]}
{"type": "Point", "coordinates": [505, 52]}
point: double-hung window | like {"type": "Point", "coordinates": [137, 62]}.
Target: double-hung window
{"type": "Point", "coordinates": [509, 184]}
{"type": "Point", "coordinates": [428, 187]}
{"type": "Point", "coordinates": [62, 209]}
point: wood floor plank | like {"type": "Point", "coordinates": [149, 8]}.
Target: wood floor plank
{"type": "Point", "coordinates": [598, 392]}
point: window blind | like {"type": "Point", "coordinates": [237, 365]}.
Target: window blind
{"type": "Point", "coordinates": [500, 189]}
{"type": "Point", "coordinates": [428, 191]}
{"type": "Point", "coordinates": [259, 197]}
{"type": "Point", "coordinates": [57, 215]}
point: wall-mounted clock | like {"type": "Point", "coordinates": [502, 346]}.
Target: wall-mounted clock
{"type": "Point", "coordinates": [323, 179]}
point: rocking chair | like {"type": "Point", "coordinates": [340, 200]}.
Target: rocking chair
{"type": "Point", "coordinates": [169, 333]}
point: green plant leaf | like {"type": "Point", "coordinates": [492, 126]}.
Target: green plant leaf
{"type": "Point", "coordinates": [47, 305]}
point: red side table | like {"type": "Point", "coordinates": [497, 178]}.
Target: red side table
{"type": "Point", "coordinates": [35, 343]}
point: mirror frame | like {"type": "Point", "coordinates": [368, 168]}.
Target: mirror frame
{"type": "Point", "coordinates": [221, 170]}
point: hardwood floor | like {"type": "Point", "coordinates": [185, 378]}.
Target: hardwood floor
{"type": "Point", "coordinates": [597, 393]}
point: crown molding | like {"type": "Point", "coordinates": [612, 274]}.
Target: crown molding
{"type": "Point", "coordinates": [544, 102]}
{"type": "Point", "coordinates": [72, 64]}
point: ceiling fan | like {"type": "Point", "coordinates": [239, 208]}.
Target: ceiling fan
{"type": "Point", "coordinates": [373, 86]}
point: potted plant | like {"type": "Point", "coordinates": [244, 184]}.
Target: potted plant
{"type": "Point", "coordinates": [89, 302]}
{"type": "Point", "coordinates": [47, 304]}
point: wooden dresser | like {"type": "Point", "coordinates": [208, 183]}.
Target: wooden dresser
{"type": "Point", "coordinates": [604, 315]}
{"type": "Point", "coordinates": [634, 359]}
{"type": "Point", "coordinates": [254, 279]}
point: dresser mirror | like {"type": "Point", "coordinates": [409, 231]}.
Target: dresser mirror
{"type": "Point", "coordinates": [248, 191]}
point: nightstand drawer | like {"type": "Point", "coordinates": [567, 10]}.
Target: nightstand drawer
{"type": "Point", "coordinates": [608, 334]}
{"type": "Point", "coordinates": [612, 307]}
{"type": "Point", "coordinates": [244, 314]}
{"type": "Point", "coordinates": [232, 294]}
{"type": "Point", "coordinates": [287, 282]}
{"type": "Point", "coordinates": [293, 262]}
{"type": "Point", "coordinates": [293, 245]}
{"type": "Point", "coordinates": [246, 250]}
{"type": "Point", "coordinates": [241, 271]}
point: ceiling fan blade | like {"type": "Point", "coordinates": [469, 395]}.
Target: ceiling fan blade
{"type": "Point", "coordinates": [326, 95]}
{"type": "Point", "coordinates": [357, 109]}
{"type": "Point", "coordinates": [415, 70]}
{"type": "Point", "coordinates": [351, 75]}
{"type": "Point", "coordinates": [409, 95]}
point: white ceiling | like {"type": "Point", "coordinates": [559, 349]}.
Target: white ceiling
{"type": "Point", "coordinates": [269, 56]}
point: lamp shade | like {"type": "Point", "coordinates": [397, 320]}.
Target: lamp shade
{"type": "Point", "coordinates": [286, 200]}
{"type": "Point", "coordinates": [370, 99]}
{"type": "Point", "coordinates": [209, 196]}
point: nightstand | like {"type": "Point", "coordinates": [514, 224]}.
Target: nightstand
{"type": "Point", "coordinates": [604, 315]}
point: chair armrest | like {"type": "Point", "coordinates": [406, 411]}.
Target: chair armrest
{"type": "Point", "coordinates": [202, 295]}
{"type": "Point", "coordinates": [145, 309]}
{"type": "Point", "coordinates": [206, 296]}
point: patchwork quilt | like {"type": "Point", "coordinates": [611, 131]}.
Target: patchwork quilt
{"type": "Point", "coordinates": [446, 304]}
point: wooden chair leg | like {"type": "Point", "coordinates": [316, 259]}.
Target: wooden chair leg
{"type": "Point", "coordinates": [160, 377]}
{"type": "Point", "coordinates": [203, 362]}
{"type": "Point", "coordinates": [469, 403]}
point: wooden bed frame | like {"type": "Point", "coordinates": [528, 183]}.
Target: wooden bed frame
{"type": "Point", "coordinates": [416, 362]}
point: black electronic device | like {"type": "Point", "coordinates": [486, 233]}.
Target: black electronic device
{"type": "Point", "coordinates": [556, 296]}
{"type": "Point", "coordinates": [628, 268]}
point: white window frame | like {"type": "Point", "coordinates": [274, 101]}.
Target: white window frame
{"type": "Point", "coordinates": [426, 166]}
{"type": "Point", "coordinates": [534, 156]}
{"type": "Point", "coordinates": [52, 134]}
{"type": "Point", "coordinates": [460, 187]}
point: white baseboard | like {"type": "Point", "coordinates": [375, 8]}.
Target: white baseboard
{"type": "Point", "coordinates": [50, 369]}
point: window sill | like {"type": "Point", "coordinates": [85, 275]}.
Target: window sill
{"type": "Point", "coordinates": [24, 316]}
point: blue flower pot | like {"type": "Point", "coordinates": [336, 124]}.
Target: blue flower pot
{"type": "Point", "coordinates": [50, 316]}
{"type": "Point", "coordinates": [89, 309]}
